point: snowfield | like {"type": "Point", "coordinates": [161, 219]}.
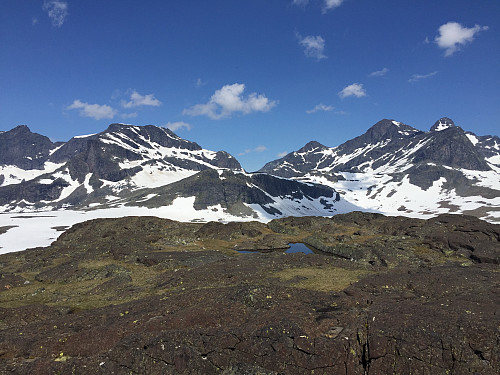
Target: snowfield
{"type": "Point", "coordinates": [34, 229]}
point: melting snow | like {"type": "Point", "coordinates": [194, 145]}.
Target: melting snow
{"type": "Point", "coordinates": [15, 175]}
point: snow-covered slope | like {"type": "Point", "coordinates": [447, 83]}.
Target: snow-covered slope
{"type": "Point", "coordinates": [398, 170]}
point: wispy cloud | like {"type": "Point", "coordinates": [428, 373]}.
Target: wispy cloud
{"type": "Point", "coordinates": [57, 11]}
{"type": "Point", "coordinates": [321, 107]}
{"type": "Point", "coordinates": [313, 46]}
{"type": "Point", "coordinates": [331, 4]}
{"type": "Point", "coordinates": [282, 154]}
{"type": "Point", "coordinates": [138, 100]}
{"type": "Point", "coordinates": [95, 111]}
{"type": "Point", "coordinates": [256, 149]}
{"type": "Point", "coordinates": [199, 83]}
{"type": "Point", "coordinates": [129, 115]}
{"type": "Point", "coordinates": [229, 100]}
{"type": "Point", "coordinates": [379, 73]}
{"type": "Point", "coordinates": [174, 126]}
{"type": "Point", "coordinates": [356, 89]}
{"type": "Point", "coordinates": [452, 35]}
{"type": "Point", "coordinates": [418, 77]}
{"type": "Point", "coordinates": [300, 2]}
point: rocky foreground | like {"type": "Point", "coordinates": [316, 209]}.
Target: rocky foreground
{"type": "Point", "coordinates": [388, 295]}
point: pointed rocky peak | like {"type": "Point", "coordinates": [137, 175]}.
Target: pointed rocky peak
{"type": "Point", "coordinates": [21, 129]}
{"type": "Point", "coordinates": [442, 124]}
{"type": "Point", "coordinates": [387, 129]}
{"type": "Point", "coordinates": [384, 130]}
{"type": "Point", "coordinates": [312, 146]}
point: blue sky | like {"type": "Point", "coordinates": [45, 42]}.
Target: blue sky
{"type": "Point", "coordinates": [256, 78]}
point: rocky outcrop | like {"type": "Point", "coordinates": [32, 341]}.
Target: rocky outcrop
{"type": "Point", "coordinates": [146, 295]}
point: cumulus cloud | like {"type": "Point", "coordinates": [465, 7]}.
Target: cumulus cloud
{"type": "Point", "coordinates": [228, 100]}
{"type": "Point", "coordinates": [452, 35]}
{"type": "Point", "coordinates": [313, 46]}
{"type": "Point", "coordinates": [57, 11]}
{"type": "Point", "coordinates": [379, 73]}
{"type": "Point", "coordinates": [331, 4]}
{"type": "Point", "coordinates": [138, 100]}
{"type": "Point", "coordinates": [95, 111]}
{"type": "Point", "coordinates": [174, 126]}
{"type": "Point", "coordinates": [256, 149]}
{"type": "Point", "coordinates": [418, 77]}
{"type": "Point", "coordinates": [356, 89]}
{"type": "Point", "coordinates": [321, 107]}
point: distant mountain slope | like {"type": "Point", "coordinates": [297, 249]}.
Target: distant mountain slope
{"type": "Point", "coordinates": [394, 168]}
{"type": "Point", "coordinates": [241, 194]}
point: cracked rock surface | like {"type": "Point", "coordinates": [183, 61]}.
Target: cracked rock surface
{"type": "Point", "coordinates": [135, 295]}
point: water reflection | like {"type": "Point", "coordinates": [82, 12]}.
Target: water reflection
{"type": "Point", "coordinates": [297, 247]}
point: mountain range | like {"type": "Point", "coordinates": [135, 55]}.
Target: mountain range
{"type": "Point", "coordinates": [396, 169]}
{"type": "Point", "coordinates": [393, 168]}
{"type": "Point", "coordinates": [144, 166]}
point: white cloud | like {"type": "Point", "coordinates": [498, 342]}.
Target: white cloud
{"type": "Point", "coordinates": [95, 111]}
{"type": "Point", "coordinates": [418, 77]}
{"type": "Point", "coordinates": [228, 100]}
{"type": "Point", "coordinates": [300, 2]}
{"type": "Point", "coordinates": [57, 11]}
{"type": "Point", "coordinates": [34, 21]}
{"type": "Point", "coordinates": [174, 126]}
{"type": "Point", "coordinates": [256, 149]}
{"type": "Point", "coordinates": [137, 100]}
{"type": "Point", "coordinates": [356, 89]}
{"type": "Point", "coordinates": [331, 4]}
{"type": "Point", "coordinates": [321, 107]}
{"type": "Point", "coordinates": [313, 46]}
{"type": "Point", "coordinates": [452, 35]}
{"type": "Point", "coordinates": [282, 154]}
{"type": "Point", "coordinates": [379, 73]}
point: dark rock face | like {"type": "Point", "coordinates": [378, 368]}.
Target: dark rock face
{"type": "Point", "coordinates": [488, 146]}
{"type": "Point", "coordinates": [24, 149]}
{"type": "Point", "coordinates": [451, 147]}
{"type": "Point", "coordinates": [153, 296]}
{"type": "Point", "coordinates": [231, 190]}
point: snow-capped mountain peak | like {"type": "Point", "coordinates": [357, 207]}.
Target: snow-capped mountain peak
{"type": "Point", "coordinates": [442, 124]}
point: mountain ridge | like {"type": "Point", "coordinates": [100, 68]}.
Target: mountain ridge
{"type": "Point", "coordinates": [108, 169]}
{"type": "Point", "coordinates": [459, 164]}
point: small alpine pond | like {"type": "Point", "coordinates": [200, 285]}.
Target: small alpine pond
{"type": "Point", "coordinates": [295, 247]}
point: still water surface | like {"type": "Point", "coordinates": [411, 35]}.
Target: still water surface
{"type": "Point", "coordinates": [294, 248]}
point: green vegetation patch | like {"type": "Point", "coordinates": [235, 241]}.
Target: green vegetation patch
{"type": "Point", "coordinates": [321, 279]}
